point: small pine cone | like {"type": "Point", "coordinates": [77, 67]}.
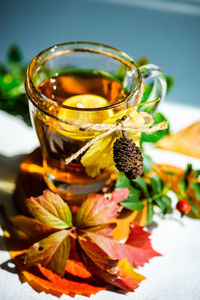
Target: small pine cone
{"type": "Point", "coordinates": [128, 157]}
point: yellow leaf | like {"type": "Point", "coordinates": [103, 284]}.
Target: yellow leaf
{"type": "Point", "coordinates": [125, 270]}
{"type": "Point", "coordinates": [100, 154]}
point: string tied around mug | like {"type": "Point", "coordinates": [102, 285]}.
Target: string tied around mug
{"type": "Point", "coordinates": [126, 123]}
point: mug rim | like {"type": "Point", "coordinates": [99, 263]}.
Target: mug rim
{"type": "Point", "coordinates": [124, 59]}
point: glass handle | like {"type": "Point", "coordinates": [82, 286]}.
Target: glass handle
{"type": "Point", "coordinates": [159, 85]}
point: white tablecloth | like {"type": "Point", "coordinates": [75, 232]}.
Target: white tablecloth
{"type": "Point", "coordinates": [174, 276]}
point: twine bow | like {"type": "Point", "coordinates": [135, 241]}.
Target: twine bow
{"type": "Point", "coordinates": [126, 123]}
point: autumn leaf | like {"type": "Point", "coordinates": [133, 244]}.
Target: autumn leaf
{"type": "Point", "coordinates": [52, 251]}
{"type": "Point", "coordinates": [117, 273]}
{"type": "Point", "coordinates": [99, 155]}
{"type": "Point", "coordinates": [139, 241]}
{"type": "Point", "coordinates": [77, 268]}
{"type": "Point", "coordinates": [56, 285]}
{"type": "Point", "coordinates": [128, 276]}
{"type": "Point", "coordinates": [50, 210]}
{"type": "Point", "coordinates": [81, 280]}
{"type": "Point", "coordinates": [30, 228]}
{"type": "Point", "coordinates": [137, 249]}
{"type": "Point", "coordinates": [95, 253]}
{"type": "Point", "coordinates": [124, 222]}
{"type": "Point", "coordinates": [100, 208]}
{"type": "Point", "coordinates": [103, 229]}
{"type": "Point", "coordinates": [74, 287]}
{"type": "Point", "coordinates": [186, 141]}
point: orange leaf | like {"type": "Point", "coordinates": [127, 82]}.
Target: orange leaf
{"type": "Point", "coordinates": [186, 141]}
{"type": "Point", "coordinates": [56, 285]}
{"type": "Point", "coordinates": [139, 216]}
{"type": "Point", "coordinates": [76, 268]}
{"type": "Point", "coordinates": [67, 286]}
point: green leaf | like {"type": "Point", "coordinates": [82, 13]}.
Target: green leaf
{"type": "Point", "coordinates": [51, 210]}
{"type": "Point", "coordinates": [196, 173]}
{"type": "Point", "coordinates": [160, 183]}
{"type": "Point", "coordinates": [133, 205]}
{"type": "Point", "coordinates": [142, 185]}
{"type": "Point", "coordinates": [134, 195]}
{"type": "Point", "coordinates": [146, 94]}
{"type": "Point", "coordinates": [183, 185]}
{"type": "Point", "coordinates": [194, 209]}
{"type": "Point", "coordinates": [154, 137]}
{"type": "Point", "coordinates": [196, 187]}
{"type": "Point", "coordinates": [156, 184]}
{"type": "Point", "coordinates": [168, 203]}
{"type": "Point", "coordinates": [123, 182]}
{"type": "Point", "coordinates": [14, 54]}
{"type": "Point", "coordinates": [161, 204]}
{"type": "Point", "coordinates": [52, 251]}
{"type": "Point", "coordinates": [188, 170]}
{"type": "Point", "coordinates": [150, 213]}
{"type": "Point", "coordinates": [170, 82]}
{"type": "Point", "coordinates": [153, 186]}
{"type": "Point", "coordinates": [132, 202]}
{"type": "Point", "coordinates": [147, 163]}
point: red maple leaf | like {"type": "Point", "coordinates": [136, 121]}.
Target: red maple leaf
{"type": "Point", "coordinates": [137, 249]}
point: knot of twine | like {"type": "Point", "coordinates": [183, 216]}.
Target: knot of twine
{"type": "Point", "coordinates": [121, 125]}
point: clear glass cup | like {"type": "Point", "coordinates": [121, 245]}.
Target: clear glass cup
{"type": "Point", "coordinates": [80, 68]}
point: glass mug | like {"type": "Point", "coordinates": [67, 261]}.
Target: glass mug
{"type": "Point", "coordinates": [54, 79]}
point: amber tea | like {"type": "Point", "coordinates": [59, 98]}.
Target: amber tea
{"type": "Point", "coordinates": [57, 144]}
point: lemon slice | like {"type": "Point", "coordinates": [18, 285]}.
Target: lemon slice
{"type": "Point", "coordinates": [86, 101]}
{"type": "Point", "coordinates": [81, 116]}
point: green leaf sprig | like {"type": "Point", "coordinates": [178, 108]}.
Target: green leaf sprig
{"type": "Point", "coordinates": [12, 92]}
{"type": "Point", "coordinates": [150, 189]}
{"type": "Point", "coordinates": [153, 191]}
{"type": "Point", "coordinates": [184, 185]}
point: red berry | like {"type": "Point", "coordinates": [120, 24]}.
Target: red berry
{"type": "Point", "coordinates": [183, 206]}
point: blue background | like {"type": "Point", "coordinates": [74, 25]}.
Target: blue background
{"type": "Point", "coordinates": [170, 40]}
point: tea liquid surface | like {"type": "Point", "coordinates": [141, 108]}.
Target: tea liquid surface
{"type": "Point", "coordinates": [64, 86]}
